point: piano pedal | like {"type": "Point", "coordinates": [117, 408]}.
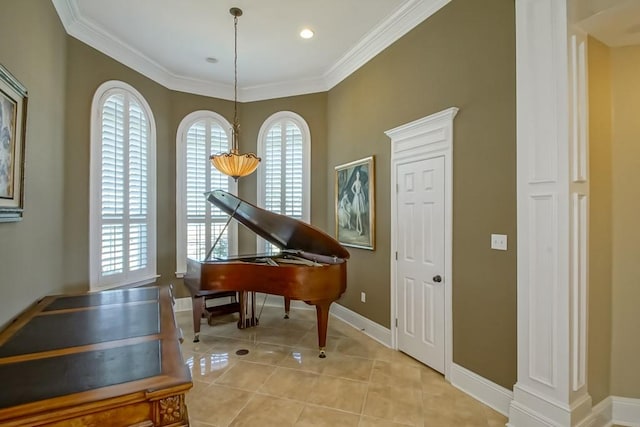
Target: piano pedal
{"type": "Point", "coordinates": [248, 323]}
{"type": "Point", "coordinates": [322, 354]}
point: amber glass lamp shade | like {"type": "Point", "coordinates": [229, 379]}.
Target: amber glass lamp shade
{"type": "Point", "coordinates": [234, 164]}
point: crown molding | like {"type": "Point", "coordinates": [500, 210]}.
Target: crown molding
{"type": "Point", "coordinates": [88, 33]}
{"type": "Point", "coordinates": [66, 11]}
{"type": "Point", "coordinates": [412, 13]}
{"type": "Point", "coordinates": [282, 89]}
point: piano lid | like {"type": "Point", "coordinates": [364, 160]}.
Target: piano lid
{"type": "Point", "coordinates": [285, 232]}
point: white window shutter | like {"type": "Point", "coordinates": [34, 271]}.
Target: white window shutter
{"type": "Point", "coordinates": [201, 134]}
{"type": "Point", "coordinates": [284, 181]}
{"type": "Point", "coordinates": [122, 249]}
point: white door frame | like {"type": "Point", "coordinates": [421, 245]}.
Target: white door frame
{"type": "Point", "coordinates": [425, 138]}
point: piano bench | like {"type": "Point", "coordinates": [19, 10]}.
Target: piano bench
{"type": "Point", "coordinates": [219, 310]}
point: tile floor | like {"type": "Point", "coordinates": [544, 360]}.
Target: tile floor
{"type": "Point", "coordinates": [282, 382]}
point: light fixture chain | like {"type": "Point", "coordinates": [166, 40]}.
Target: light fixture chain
{"type": "Point", "coordinates": [236, 130]}
{"type": "Point", "coordinates": [233, 163]}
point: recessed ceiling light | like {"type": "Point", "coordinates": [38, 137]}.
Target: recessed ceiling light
{"type": "Point", "coordinates": [306, 33]}
{"type": "Point", "coordinates": [211, 60]}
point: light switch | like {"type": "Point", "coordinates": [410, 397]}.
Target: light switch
{"type": "Point", "coordinates": [499, 242]}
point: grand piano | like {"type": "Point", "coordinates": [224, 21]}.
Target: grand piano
{"type": "Point", "coordinates": [311, 266]}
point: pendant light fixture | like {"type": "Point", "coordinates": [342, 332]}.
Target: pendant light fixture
{"type": "Point", "coordinates": [233, 163]}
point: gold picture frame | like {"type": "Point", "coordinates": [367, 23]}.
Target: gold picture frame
{"type": "Point", "coordinates": [355, 203]}
{"type": "Point", "coordinates": [13, 119]}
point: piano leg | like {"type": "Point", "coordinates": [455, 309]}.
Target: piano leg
{"type": "Point", "coordinates": [322, 313]}
{"type": "Point", "coordinates": [287, 307]}
{"type": "Point", "coordinates": [254, 320]}
{"type": "Point", "coordinates": [197, 307]}
{"type": "Point", "coordinates": [243, 309]}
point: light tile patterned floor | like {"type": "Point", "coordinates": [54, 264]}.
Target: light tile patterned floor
{"type": "Point", "coordinates": [282, 382]}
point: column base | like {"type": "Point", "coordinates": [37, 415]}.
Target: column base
{"type": "Point", "coordinates": [528, 409]}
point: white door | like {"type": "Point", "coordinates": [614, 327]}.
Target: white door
{"type": "Point", "coordinates": [420, 280]}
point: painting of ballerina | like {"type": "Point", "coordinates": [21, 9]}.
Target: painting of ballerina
{"type": "Point", "coordinates": [355, 203]}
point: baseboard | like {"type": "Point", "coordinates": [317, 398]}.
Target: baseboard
{"type": "Point", "coordinates": [614, 410]}
{"type": "Point", "coordinates": [480, 388]}
{"type": "Point", "coordinates": [601, 415]}
{"type": "Point", "coordinates": [278, 301]}
{"type": "Point", "coordinates": [366, 326]}
{"type": "Point", "coordinates": [625, 411]}
{"type": "Point", "coordinates": [182, 304]}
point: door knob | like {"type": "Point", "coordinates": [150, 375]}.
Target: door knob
{"type": "Point", "coordinates": [437, 278]}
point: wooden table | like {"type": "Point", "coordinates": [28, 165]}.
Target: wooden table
{"type": "Point", "coordinates": [105, 359]}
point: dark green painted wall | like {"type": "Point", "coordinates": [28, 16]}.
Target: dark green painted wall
{"type": "Point", "coordinates": [87, 69]}
{"type": "Point", "coordinates": [463, 56]}
{"type": "Point", "coordinates": [33, 49]}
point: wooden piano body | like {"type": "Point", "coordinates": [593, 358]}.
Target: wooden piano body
{"type": "Point", "coordinates": [312, 267]}
{"type": "Point", "coordinates": [111, 358]}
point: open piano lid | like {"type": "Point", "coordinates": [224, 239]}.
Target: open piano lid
{"type": "Point", "coordinates": [285, 232]}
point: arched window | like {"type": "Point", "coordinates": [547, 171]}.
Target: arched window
{"type": "Point", "coordinates": [284, 144]}
{"type": "Point", "coordinates": [198, 222]}
{"type": "Point", "coordinates": [123, 188]}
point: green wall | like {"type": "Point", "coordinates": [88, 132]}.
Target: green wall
{"type": "Point", "coordinates": [87, 69]}
{"type": "Point", "coordinates": [251, 116]}
{"type": "Point", "coordinates": [31, 251]}
{"type": "Point", "coordinates": [313, 108]}
{"type": "Point", "coordinates": [463, 56]}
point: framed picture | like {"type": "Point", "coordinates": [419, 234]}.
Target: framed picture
{"type": "Point", "coordinates": [355, 204]}
{"type": "Point", "coordinates": [13, 119]}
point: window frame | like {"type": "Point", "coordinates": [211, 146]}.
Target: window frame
{"type": "Point", "coordinates": [271, 121]}
{"type": "Point", "coordinates": [149, 273]}
{"type": "Point", "coordinates": [181, 214]}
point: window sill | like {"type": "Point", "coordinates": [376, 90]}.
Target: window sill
{"type": "Point", "coordinates": [141, 282]}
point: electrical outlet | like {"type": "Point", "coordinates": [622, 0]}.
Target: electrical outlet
{"type": "Point", "coordinates": [363, 297]}
{"type": "Point", "coordinates": [499, 242]}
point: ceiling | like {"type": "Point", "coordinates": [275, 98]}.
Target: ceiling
{"type": "Point", "coordinates": [614, 22]}
{"type": "Point", "coordinates": [169, 40]}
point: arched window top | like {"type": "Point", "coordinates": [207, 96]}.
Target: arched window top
{"type": "Point", "coordinates": [119, 89]}
{"type": "Point", "coordinates": [203, 130]}
{"type": "Point", "coordinates": [285, 116]}
{"type": "Point", "coordinates": [200, 115]}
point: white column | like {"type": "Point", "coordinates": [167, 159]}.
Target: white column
{"type": "Point", "coordinates": [552, 221]}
